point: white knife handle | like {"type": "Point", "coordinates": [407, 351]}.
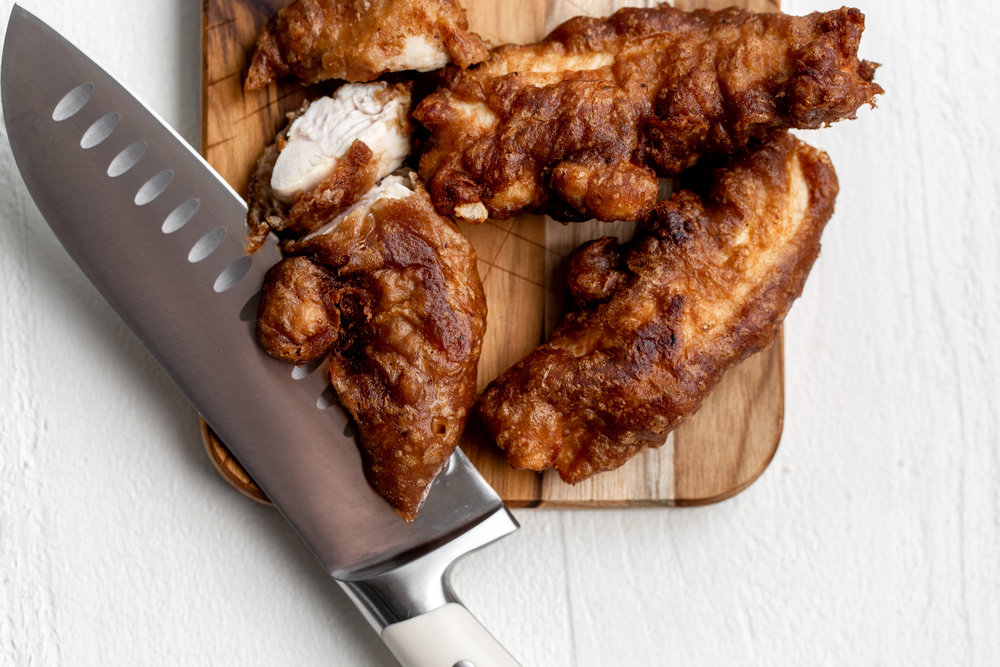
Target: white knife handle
{"type": "Point", "coordinates": [414, 610]}
{"type": "Point", "coordinates": [449, 636]}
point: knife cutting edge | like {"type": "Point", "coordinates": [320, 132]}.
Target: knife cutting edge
{"type": "Point", "coordinates": [162, 237]}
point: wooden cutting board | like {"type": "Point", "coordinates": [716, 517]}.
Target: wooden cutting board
{"type": "Point", "coordinates": [715, 454]}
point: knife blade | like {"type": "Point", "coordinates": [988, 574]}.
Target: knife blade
{"type": "Point", "coordinates": [162, 237]}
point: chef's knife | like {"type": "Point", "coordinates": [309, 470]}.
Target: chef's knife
{"type": "Point", "coordinates": [162, 236]}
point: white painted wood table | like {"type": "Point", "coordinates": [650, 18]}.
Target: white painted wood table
{"type": "Point", "coordinates": [873, 538]}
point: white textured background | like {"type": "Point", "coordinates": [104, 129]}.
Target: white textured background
{"type": "Point", "coordinates": [874, 537]}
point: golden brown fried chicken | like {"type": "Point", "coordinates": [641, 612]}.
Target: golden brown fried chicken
{"type": "Point", "coordinates": [298, 317]}
{"type": "Point", "coordinates": [359, 40]}
{"type": "Point", "coordinates": [581, 124]}
{"type": "Point", "coordinates": [390, 290]}
{"type": "Point", "coordinates": [706, 282]}
{"type": "Point", "coordinates": [333, 150]}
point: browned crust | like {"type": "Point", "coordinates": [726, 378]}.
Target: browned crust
{"type": "Point", "coordinates": [392, 294]}
{"type": "Point", "coordinates": [316, 40]}
{"type": "Point", "coordinates": [354, 175]}
{"type": "Point", "coordinates": [579, 141]}
{"type": "Point", "coordinates": [706, 283]}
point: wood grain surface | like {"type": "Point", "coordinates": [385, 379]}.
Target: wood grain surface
{"type": "Point", "coordinates": [715, 454]}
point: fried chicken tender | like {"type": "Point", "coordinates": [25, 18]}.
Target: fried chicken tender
{"type": "Point", "coordinates": [582, 124]}
{"type": "Point", "coordinates": [706, 282]}
{"type": "Point", "coordinates": [389, 290]}
{"type": "Point", "coordinates": [359, 40]}
{"type": "Point", "coordinates": [333, 150]}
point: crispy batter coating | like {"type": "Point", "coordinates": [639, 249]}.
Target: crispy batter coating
{"type": "Point", "coordinates": [297, 316]}
{"type": "Point", "coordinates": [706, 282]}
{"type": "Point", "coordinates": [581, 124]}
{"type": "Point", "coordinates": [359, 40]}
{"type": "Point", "coordinates": [304, 310]}
{"type": "Point", "coordinates": [395, 288]}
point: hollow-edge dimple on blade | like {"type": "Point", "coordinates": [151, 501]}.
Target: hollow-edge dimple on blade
{"type": "Point", "coordinates": [163, 238]}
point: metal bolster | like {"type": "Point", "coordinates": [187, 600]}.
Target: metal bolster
{"type": "Point", "coordinates": [421, 585]}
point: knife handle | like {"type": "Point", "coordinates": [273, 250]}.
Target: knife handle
{"type": "Point", "coordinates": [449, 636]}
{"type": "Point", "coordinates": [412, 606]}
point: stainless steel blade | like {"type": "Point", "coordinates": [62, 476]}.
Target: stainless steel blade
{"type": "Point", "coordinates": [162, 237]}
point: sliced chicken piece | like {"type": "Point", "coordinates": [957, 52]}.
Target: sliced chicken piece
{"type": "Point", "coordinates": [316, 141]}
{"type": "Point", "coordinates": [389, 290]}
{"type": "Point", "coordinates": [706, 282]}
{"type": "Point", "coordinates": [333, 150]}
{"type": "Point", "coordinates": [359, 40]}
{"type": "Point", "coordinates": [582, 124]}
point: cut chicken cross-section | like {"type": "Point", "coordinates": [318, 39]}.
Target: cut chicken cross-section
{"type": "Point", "coordinates": [332, 152]}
